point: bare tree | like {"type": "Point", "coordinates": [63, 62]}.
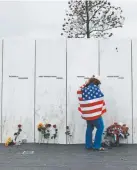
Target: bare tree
{"type": "Point", "coordinates": [94, 18]}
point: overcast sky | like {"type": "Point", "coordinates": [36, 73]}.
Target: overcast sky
{"type": "Point", "coordinates": [41, 19]}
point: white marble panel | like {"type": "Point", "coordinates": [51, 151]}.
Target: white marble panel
{"type": "Point", "coordinates": [82, 63]}
{"type": "Point", "coordinates": [0, 87]}
{"type": "Point", "coordinates": [18, 88]}
{"type": "Point", "coordinates": [115, 68]}
{"type": "Point", "coordinates": [51, 86]}
{"type": "Point", "coordinates": [134, 71]}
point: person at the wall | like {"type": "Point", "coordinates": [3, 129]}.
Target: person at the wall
{"type": "Point", "coordinates": [92, 107]}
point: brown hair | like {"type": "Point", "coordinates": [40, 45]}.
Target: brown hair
{"type": "Point", "coordinates": [94, 81]}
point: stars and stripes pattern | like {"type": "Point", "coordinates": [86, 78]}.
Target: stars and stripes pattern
{"type": "Point", "coordinates": [91, 101]}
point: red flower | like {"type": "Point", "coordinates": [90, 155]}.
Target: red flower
{"type": "Point", "coordinates": [115, 123]}
{"type": "Point", "coordinates": [54, 126]}
{"type": "Point", "coordinates": [19, 126]}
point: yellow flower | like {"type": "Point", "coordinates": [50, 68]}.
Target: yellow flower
{"type": "Point", "coordinates": [9, 139]}
{"type": "Point", "coordinates": [40, 125]}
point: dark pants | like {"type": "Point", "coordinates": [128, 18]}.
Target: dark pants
{"type": "Point", "coordinates": [99, 124]}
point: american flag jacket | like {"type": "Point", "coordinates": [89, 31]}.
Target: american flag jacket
{"type": "Point", "coordinates": [91, 102]}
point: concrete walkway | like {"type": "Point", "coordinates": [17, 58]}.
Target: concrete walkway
{"type": "Point", "coordinates": [66, 157]}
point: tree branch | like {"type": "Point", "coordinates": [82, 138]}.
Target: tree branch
{"type": "Point", "coordinates": [104, 29]}
{"type": "Point", "coordinates": [94, 6]}
{"type": "Point", "coordinates": [96, 12]}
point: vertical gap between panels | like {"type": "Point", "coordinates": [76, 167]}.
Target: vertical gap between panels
{"type": "Point", "coordinates": [35, 91]}
{"type": "Point", "coordinates": [66, 89]}
{"type": "Point", "coordinates": [2, 92]}
{"type": "Point", "coordinates": [132, 104]}
{"type": "Point", "coordinates": [99, 57]}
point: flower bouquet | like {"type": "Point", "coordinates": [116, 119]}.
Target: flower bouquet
{"type": "Point", "coordinates": [54, 136]}
{"type": "Point", "coordinates": [45, 132]}
{"type": "Point", "coordinates": [68, 134]}
{"type": "Point", "coordinates": [116, 132]}
{"type": "Point", "coordinates": [10, 141]}
{"type": "Point", "coordinates": [18, 132]}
